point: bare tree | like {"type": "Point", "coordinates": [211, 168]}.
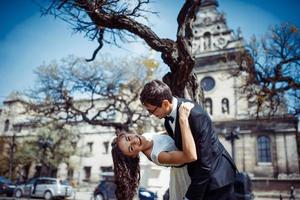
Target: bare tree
{"type": "Point", "coordinates": [4, 156]}
{"type": "Point", "coordinates": [51, 146]}
{"type": "Point", "coordinates": [55, 144]}
{"type": "Point", "coordinates": [99, 93]}
{"type": "Point", "coordinates": [272, 69]}
{"type": "Point", "coordinates": [114, 21]}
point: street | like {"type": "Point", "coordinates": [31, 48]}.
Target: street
{"type": "Point", "coordinates": [79, 195]}
{"type": "Point", "coordinates": [86, 195]}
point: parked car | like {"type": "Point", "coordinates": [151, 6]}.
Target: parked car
{"type": "Point", "coordinates": [44, 187]}
{"type": "Point", "coordinates": [105, 190]}
{"type": "Point", "coordinates": [243, 187]}
{"type": "Point", "coordinates": [6, 186]}
{"type": "Point", "coordinates": [145, 194]}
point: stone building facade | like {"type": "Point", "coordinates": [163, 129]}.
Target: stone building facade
{"type": "Point", "coordinates": [92, 156]}
{"type": "Point", "coordinates": [267, 149]}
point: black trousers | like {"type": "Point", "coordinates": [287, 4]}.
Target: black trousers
{"type": "Point", "coordinates": [223, 193]}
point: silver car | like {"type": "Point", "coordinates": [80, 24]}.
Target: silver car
{"type": "Point", "coordinates": [44, 187]}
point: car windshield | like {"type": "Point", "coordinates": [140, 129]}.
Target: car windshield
{"type": "Point", "coordinates": [108, 178]}
{"type": "Point", "coordinates": [64, 182]}
{"type": "Point", "coordinates": [4, 180]}
{"type": "Point", "coordinates": [31, 181]}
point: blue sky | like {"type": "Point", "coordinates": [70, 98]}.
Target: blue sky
{"type": "Point", "coordinates": [28, 40]}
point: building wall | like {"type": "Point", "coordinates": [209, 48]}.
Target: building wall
{"type": "Point", "coordinates": [284, 149]}
{"type": "Point", "coordinates": [95, 156]}
{"type": "Point", "coordinates": [93, 151]}
{"type": "Point", "coordinates": [226, 86]}
{"type": "Point", "coordinates": [283, 146]}
{"type": "Point", "coordinates": [217, 60]}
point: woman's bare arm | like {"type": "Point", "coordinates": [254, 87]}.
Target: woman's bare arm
{"type": "Point", "coordinates": [188, 143]}
{"type": "Point", "coordinates": [188, 153]}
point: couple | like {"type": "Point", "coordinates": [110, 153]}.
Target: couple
{"type": "Point", "coordinates": [209, 171]}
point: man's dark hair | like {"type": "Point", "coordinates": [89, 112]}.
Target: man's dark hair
{"type": "Point", "coordinates": [154, 92]}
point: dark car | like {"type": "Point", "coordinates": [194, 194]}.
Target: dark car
{"type": "Point", "coordinates": [243, 187]}
{"type": "Point", "coordinates": [145, 194]}
{"type": "Point", "coordinates": [105, 190]}
{"type": "Point", "coordinates": [6, 186]}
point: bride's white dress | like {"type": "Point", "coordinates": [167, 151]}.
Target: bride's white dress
{"type": "Point", "coordinates": [179, 177]}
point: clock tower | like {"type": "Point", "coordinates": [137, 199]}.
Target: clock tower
{"type": "Point", "coordinates": [267, 148]}
{"type": "Point", "coordinates": [214, 47]}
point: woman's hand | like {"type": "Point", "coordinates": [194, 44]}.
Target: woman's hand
{"type": "Point", "coordinates": [184, 110]}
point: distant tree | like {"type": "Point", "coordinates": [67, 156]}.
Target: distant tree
{"type": "Point", "coordinates": [24, 158]}
{"type": "Point", "coordinates": [4, 169]}
{"type": "Point", "coordinates": [271, 67]}
{"type": "Point", "coordinates": [102, 93]}
{"type": "Point", "coordinates": [55, 144]}
{"type": "Point", "coordinates": [9, 141]}
{"type": "Point", "coordinates": [115, 21]}
{"type": "Point", "coordinates": [8, 157]}
{"type": "Point", "coordinates": [51, 146]}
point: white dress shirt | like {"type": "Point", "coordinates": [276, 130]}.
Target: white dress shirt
{"type": "Point", "coordinates": [173, 113]}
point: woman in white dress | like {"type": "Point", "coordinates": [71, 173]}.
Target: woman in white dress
{"type": "Point", "coordinates": [161, 150]}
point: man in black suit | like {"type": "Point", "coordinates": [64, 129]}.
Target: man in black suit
{"type": "Point", "coordinates": [213, 173]}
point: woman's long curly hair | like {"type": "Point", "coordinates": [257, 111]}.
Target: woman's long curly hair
{"type": "Point", "coordinates": [127, 172]}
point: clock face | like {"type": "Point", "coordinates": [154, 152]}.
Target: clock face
{"type": "Point", "coordinates": [206, 20]}
{"type": "Point", "coordinates": [221, 41]}
{"type": "Point", "coordinates": [207, 83]}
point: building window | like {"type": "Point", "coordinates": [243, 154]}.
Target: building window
{"type": "Point", "coordinates": [90, 146]}
{"type": "Point", "coordinates": [106, 145]}
{"type": "Point", "coordinates": [207, 83]}
{"type": "Point", "coordinates": [38, 170]}
{"type": "Point", "coordinates": [70, 173]}
{"type": "Point", "coordinates": [6, 125]}
{"type": "Point", "coordinates": [207, 41]}
{"type": "Point", "coordinates": [264, 149]}
{"type": "Point", "coordinates": [208, 105]}
{"type": "Point", "coordinates": [74, 144]}
{"type": "Point", "coordinates": [225, 106]}
{"type": "Point", "coordinates": [87, 173]}
{"type": "Point", "coordinates": [17, 128]}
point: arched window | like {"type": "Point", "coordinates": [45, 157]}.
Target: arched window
{"type": "Point", "coordinates": [264, 149]}
{"type": "Point", "coordinates": [208, 105]}
{"type": "Point", "coordinates": [208, 83]}
{"type": "Point", "coordinates": [6, 125]}
{"type": "Point", "coordinates": [106, 146]}
{"type": "Point", "coordinates": [225, 106]}
{"type": "Point", "coordinates": [207, 41]}
{"type": "Point", "coordinates": [90, 146]}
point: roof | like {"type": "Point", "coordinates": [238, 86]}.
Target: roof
{"type": "Point", "coordinates": [209, 3]}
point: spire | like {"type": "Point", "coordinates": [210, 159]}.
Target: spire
{"type": "Point", "coordinates": [206, 3]}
